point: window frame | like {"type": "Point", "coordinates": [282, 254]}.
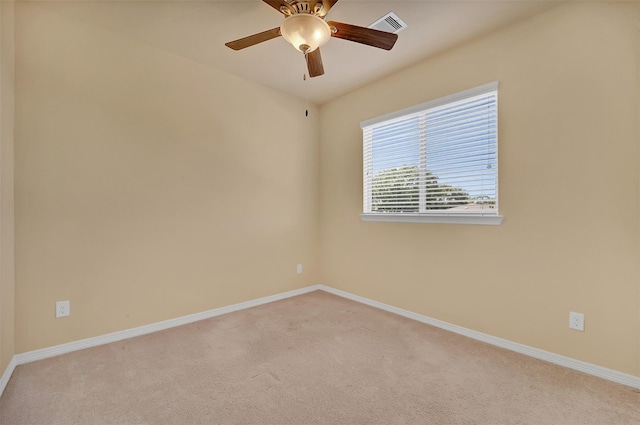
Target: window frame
{"type": "Point", "coordinates": [493, 218]}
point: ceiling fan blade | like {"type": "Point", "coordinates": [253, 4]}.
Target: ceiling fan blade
{"type": "Point", "coordinates": [314, 63]}
{"type": "Point", "coordinates": [278, 5]}
{"type": "Point", "coordinates": [368, 36]}
{"type": "Point", "coordinates": [253, 39]}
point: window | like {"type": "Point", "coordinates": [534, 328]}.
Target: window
{"type": "Point", "coordinates": [435, 162]}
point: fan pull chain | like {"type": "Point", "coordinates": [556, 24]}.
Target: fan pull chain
{"type": "Point", "coordinates": [306, 95]}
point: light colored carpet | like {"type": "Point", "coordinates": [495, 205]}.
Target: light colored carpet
{"type": "Point", "coordinates": [312, 359]}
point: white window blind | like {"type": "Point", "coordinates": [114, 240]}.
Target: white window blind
{"type": "Point", "coordinates": [436, 159]}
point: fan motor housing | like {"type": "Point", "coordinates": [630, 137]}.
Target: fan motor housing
{"type": "Point", "coordinates": [304, 7]}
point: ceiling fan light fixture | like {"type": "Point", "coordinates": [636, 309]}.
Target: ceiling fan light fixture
{"type": "Point", "coordinates": [305, 32]}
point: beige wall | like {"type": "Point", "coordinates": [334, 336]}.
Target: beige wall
{"type": "Point", "coordinates": [150, 187]}
{"type": "Point", "coordinates": [568, 146]}
{"type": "Point", "coordinates": [6, 184]}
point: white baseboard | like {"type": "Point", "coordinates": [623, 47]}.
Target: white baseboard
{"type": "Point", "coordinates": [4, 380]}
{"type": "Point", "coordinates": [599, 371]}
{"type": "Point", "coordinates": [32, 356]}
{"type": "Point", "coordinates": [591, 369]}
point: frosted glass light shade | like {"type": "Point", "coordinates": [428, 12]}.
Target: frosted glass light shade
{"type": "Point", "coordinates": [305, 32]}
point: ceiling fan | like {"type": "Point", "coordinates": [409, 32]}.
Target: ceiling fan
{"type": "Point", "coordinates": [305, 28]}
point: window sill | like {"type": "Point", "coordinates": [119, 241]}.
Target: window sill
{"type": "Point", "coordinates": [493, 220]}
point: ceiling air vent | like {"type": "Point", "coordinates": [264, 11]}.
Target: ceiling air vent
{"type": "Point", "coordinates": [389, 23]}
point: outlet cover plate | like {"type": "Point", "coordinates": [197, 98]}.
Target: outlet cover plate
{"type": "Point", "coordinates": [576, 321]}
{"type": "Point", "coordinates": [62, 309]}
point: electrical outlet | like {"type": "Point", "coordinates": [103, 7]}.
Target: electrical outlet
{"type": "Point", "coordinates": [62, 309]}
{"type": "Point", "coordinates": [576, 321]}
{"type": "Point", "coordinates": [299, 269]}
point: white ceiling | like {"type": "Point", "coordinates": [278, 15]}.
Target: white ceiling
{"type": "Point", "coordinates": [197, 30]}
